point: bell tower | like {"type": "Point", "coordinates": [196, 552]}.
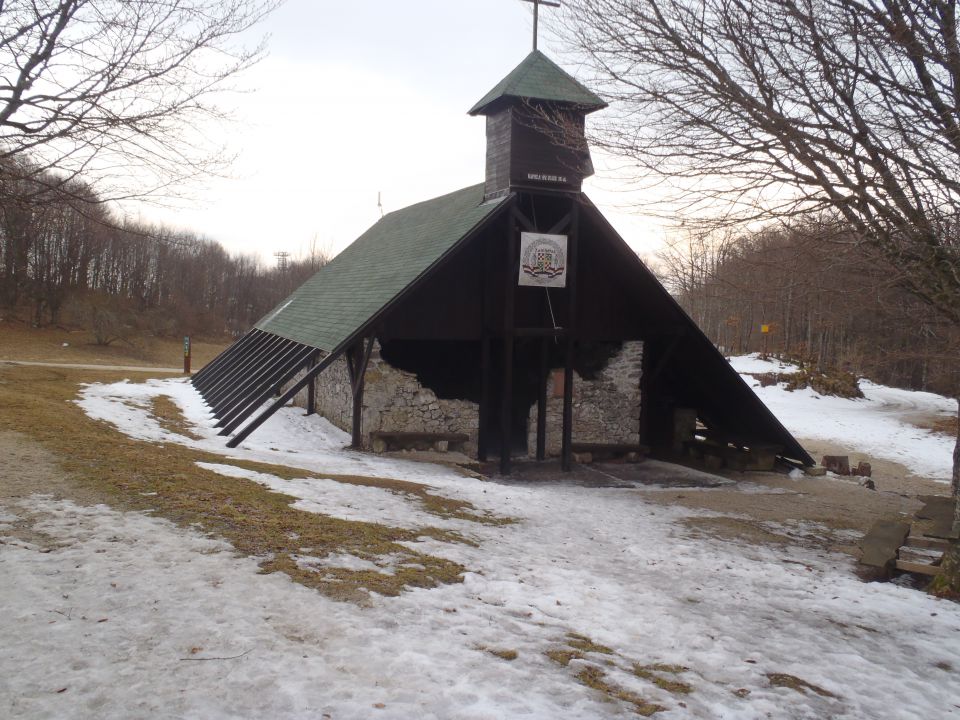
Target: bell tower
{"type": "Point", "coordinates": [535, 129]}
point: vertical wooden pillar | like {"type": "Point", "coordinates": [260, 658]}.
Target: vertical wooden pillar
{"type": "Point", "coordinates": [483, 432]}
{"type": "Point", "coordinates": [542, 401]}
{"type": "Point", "coordinates": [506, 398]}
{"type": "Point", "coordinates": [566, 451]}
{"type": "Point", "coordinates": [312, 387]}
{"type": "Point", "coordinates": [357, 361]}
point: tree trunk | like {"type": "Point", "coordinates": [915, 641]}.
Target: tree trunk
{"type": "Point", "coordinates": [947, 582]}
{"type": "Point", "coordinates": [955, 483]}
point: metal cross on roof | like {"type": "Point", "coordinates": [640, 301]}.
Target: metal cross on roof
{"type": "Point", "coordinates": [536, 15]}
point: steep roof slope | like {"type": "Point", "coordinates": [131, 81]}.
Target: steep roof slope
{"type": "Point", "coordinates": [539, 78]}
{"type": "Point", "coordinates": [378, 266]}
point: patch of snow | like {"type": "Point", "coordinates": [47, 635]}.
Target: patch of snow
{"type": "Point", "coordinates": [342, 500]}
{"type": "Point", "coordinates": [877, 425]}
{"type": "Point", "coordinates": [346, 562]}
{"type": "Point", "coordinates": [754, 364]}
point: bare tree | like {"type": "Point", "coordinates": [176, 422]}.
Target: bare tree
{"type": "Point", "coordinates": [115, 89]}
{"type": "Point", "coordinates": [755, 109]}
{"type": "Point", "coordinates": [760, 109]}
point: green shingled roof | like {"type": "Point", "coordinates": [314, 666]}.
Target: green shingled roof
{"type": "Point", "coordinates": [379, 265]}
{"type": "Point", "coordinates": [539, 78]}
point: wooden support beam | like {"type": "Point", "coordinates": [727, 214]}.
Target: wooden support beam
{"type": "Point", "coordinates": [266, 386]}
{"type": "Point", "coordinates": [566, 451]}
{"type": "Point", "coordinates": [213, 386]}
{"type": "Point", "coordinates": [542, 400]}
{"type": "Point", "coordinates": [359, 370]}
{"type": "Point", "coordinates": [506, 396]}
{"type": "Point", "coordinates": [244, 371]}
{"type": "Point", "coordinates": [561, 224]}
{"type": "Point", "coordinates": [312, 387]}
{"type": "Point", "coordinates": [282, 400]}
{"type": "Point", "coordinates": [483, 432]}
{"type": "Point", "coordinates": [223, 358]}
{"type": "Point", "coordinates": [265, 367]}
{"type": "Point", "coordinates": [523, 221]}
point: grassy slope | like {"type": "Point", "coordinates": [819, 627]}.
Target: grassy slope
{"type": "Point", "coordinates": [136, 475]}
{"type": "Point", "coordinates": [19, 341]}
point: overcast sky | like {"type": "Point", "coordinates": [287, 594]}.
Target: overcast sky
{"type": "Point", "coordinates": [360, 98]}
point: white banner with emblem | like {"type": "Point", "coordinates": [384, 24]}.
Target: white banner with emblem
{"type": "Point", "coordinates": [543, 260]}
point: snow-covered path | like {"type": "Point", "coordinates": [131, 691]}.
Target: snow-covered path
{"type": "Point", "coordinates": [130, 618]}
{"type": "Point", "coordinates": [880, 424]}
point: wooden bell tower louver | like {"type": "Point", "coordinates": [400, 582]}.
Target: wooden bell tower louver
{"type": "Point", "coordinates": [535, 129]}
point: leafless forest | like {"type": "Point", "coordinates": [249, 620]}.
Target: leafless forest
{"type": "Point", "coordinates": [65, 259]}
{"type": "Point", "coordinates": [823, 299]}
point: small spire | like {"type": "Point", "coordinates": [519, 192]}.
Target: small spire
{"type": "Point", "coordinates": [536, 15]}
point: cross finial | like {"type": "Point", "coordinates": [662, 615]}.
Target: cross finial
{"type": "Point", "coordinates": [536, 15]}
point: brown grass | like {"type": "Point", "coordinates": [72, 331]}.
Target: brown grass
{"type": "Point", "coordinates": [654, 673]}
{"type": "Point", "coordinates": [503, 654]}
{"type": "Point", "coordinates": [19, 341]}
{"type": "Point", "coordinates": [798, 684]}
{"type": "Point", "coordinates": [115, 469]}
{"type": "Point", "coordinates": [170, 417]}
{"type": "Point", "coordinates": [594, 677]}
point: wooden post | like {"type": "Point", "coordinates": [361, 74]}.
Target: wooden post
{"type": "Point", "coordinates": [566, 451]}
{"type": "Point", "coordinates": [483, 441]}
{"type": "Point", "coordinates": [542, 401]}
{"type": "Point", "coordinates": [506, 397]}
{"type": "Point", "coordinates": [357, 360]}
{"type": "Point", "coordinates": [312, 387]}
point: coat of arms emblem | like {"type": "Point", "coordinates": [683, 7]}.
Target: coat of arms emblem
{"type": "Point", "coordinates": [543, 260]}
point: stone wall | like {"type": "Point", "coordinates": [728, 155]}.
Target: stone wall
{"type": "Point", "coordinates": [392, 400]}
{"type": "Point", "coordinates": [605, 409]}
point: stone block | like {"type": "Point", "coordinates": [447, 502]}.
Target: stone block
{"type": "Point", "coordinates": [379, 445]}
{"type": "Point", "coordinates": [583, 458]}
{"type": "Point", "coordinates": [839, 464]}
{"type": "Point", "coordinates": [815, 471]}
{"type": "Point", "coordinates": [441, 445]}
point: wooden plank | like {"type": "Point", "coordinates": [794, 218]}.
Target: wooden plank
{"type": "Point", "coordinates": [917, 568]}
{"type": "Point", "coordinates": [918, 541]}
{"type": "Point", "coordinates": [919, 555]}
{"type": "Point", "coordinates": [881, 543]}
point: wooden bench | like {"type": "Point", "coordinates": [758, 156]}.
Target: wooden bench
{"type": "Point", "coordinates": [384, 440]}
{"type": "Point", "coordinates": [608, 451]}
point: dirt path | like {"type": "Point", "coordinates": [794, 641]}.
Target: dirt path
{"type": "Point", "coordinates": [27, 468]}
{"type": "Point", "coordinates": [80, 366]}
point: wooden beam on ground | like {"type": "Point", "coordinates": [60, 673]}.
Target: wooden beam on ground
{"type": "Point", "coordinates": [918, 568]}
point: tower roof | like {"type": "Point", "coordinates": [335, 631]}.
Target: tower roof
{"type": "Point", "coordinates": [539, 78]}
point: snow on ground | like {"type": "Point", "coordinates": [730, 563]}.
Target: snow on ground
{"type": "Point", "coordinates": [878, 425]}
{"type": "Point", "coordinates": [133, 617]}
